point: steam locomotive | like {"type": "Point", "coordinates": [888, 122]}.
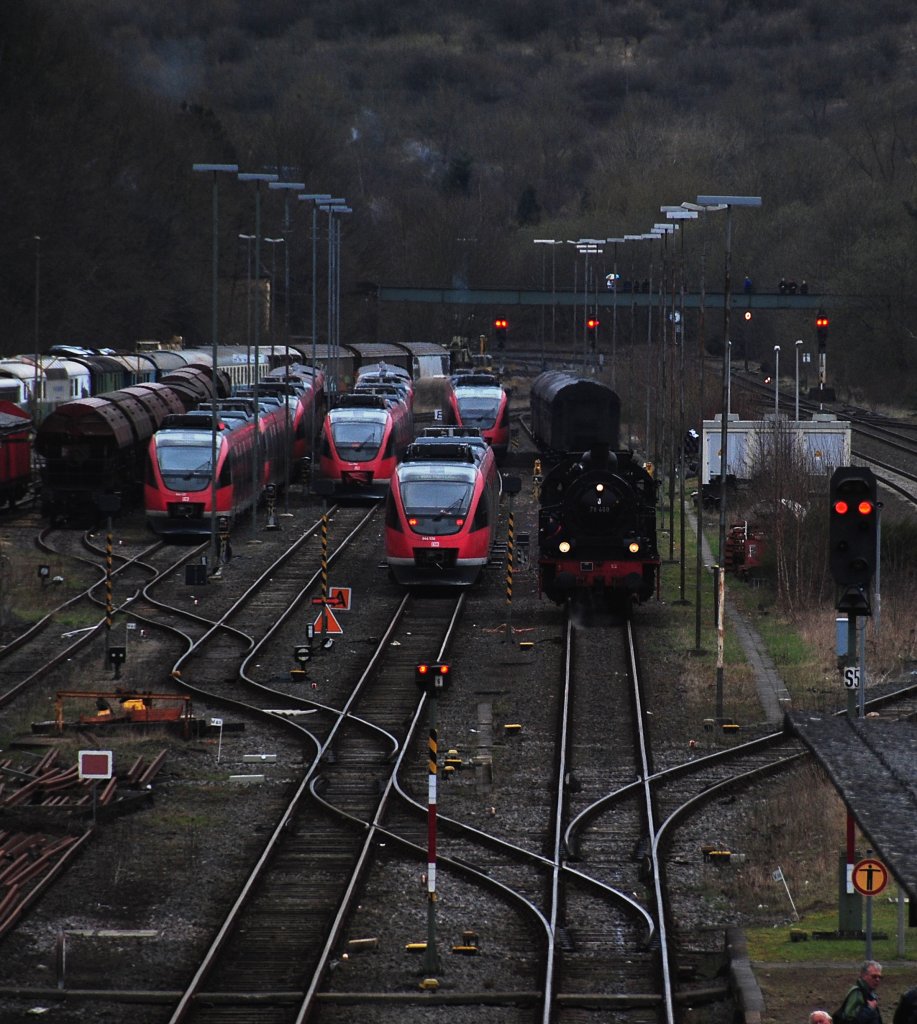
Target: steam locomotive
{"type": "Point", "coordinates": [597, 504]}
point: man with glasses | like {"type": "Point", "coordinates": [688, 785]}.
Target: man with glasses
{"type": "Point", "coordinates": [861, 1004]}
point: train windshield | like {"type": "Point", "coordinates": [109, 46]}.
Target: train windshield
{"type": "Point", "coordinates": [184, 467]}
{"type": "Point", "coordinates": [357, 440]}
{"type": "Point", "coordinates": [436, 506]}
{"type": "Point", "coordinates": [478, 410]}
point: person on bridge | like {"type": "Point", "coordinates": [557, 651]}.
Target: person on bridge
{"type": "Point", "coordinates": [861, 1004]}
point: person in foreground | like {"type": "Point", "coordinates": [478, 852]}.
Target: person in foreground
{"type": "Point", "coordinates": [861, 1004]}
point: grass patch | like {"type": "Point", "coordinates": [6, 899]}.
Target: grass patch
{"type": "Point", "coordinates": [775, 945]}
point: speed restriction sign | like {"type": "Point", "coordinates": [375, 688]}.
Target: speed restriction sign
{"type": "Point", "coordinates": [852, 677]}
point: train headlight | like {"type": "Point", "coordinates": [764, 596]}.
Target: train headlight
{"type": "Point", "coordinates": [599, 488]}
{"type": "Point", "coordinates": [634, 547]}
{"type": "Point", "coordinates": [564, 547]}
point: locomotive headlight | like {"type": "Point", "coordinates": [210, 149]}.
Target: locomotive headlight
{"type": "Point", "coordinates": [564, 547]}
{"type": "Point", "coordinates": [634, 547]}
{"type": "Point", "coordinates": [599, 488]}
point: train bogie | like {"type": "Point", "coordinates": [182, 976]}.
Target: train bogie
{"type": "Point", "coordinates": [441, 512]}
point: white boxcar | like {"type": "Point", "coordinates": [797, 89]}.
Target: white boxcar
{"type": "Point", "coordinates": [822, 442]}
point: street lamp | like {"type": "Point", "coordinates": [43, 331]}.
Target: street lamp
{"type": "Point", "coordinates": [776, 384]}
{"type": "Point", "coordinates": [586, 247]}
{"type": "Point", "coordinates": [257, 177]}
{"type": "Point", "coordinates": [727, 203]}
{"type": "Point", "coordinates": [796, 346]}
{"type": "Point", "coordinates": [678, 213]}
{"type": "Point", "coordinates": [616, 277]}
{"type": "Point", "coordinates": [35, 409]}
{"type": "Point", "coordinates": [215, 170]}
{"type": "Point", "coordinates": [287, 187]}
{"type": "Point", "coordinates": [333, 206]}
{"type": "Point", "coordinates": [701, 349]}
{"type": "Point", "coordinates": [248, 239]}
{"type": "Point", "coordinates": [272, 323]}
{"type": "Point", "coordinates": [552, 242]}
{"type": "Point", "coordinates": [314, 198]}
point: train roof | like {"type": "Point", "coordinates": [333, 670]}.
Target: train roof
{"type": "Point", "coordinates": [12, 418]}
{"type": "Point", "coordinates": [153, 403]}
{"type": "Point", "coordinates": [18, 368]}
{"type": "Point", "coordinates": [423, 348]}
{"type": "Point", "coordinates": [84, 418]}
{"type": "Point", "coordinates": [470, 380]}
{"type": "Point", "coordinates": [167, 396]}
{"type": "Point", "coordinates": [553, 382]}
{"type": "Point", "coordinates": [363, 400]}
{"type": "Point", "coordinates": [446, 450]}
{"type": "Point", "coordinates": [383, 368]}
{"type": "Point", "coordinates": [195, 385]}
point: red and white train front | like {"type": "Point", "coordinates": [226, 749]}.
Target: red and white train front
{"type": "Point", "coordinates": [441, 513]}
{"type": "Point", "coordinates": [483, 404]}
{"type": "Point", "coordinates": [178, 487]}
{"type": "Point", "coordinates": [362, 441]}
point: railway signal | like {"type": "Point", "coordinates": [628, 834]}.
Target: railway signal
{"type": "Point", "coordinates": [432, 678]}
{"type": "Point", "coordinates": [500, 326]}
{"type": "Point", "coordinates": [853, 536]}
{"type": "Point", "coordinates": [821, 330]}
{"type": "Point", "coordinates": [593, 325]}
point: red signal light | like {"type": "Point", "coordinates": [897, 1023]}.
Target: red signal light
{"type": "Point", "coordinates": [501, 324]}
{"type": "Point", "coordinates": [865, 508]}
{"type": "Point", "coordinates": [592, 323]}
{"type": "Point", "coordinates": [422, 670]}
{"type": "Point", "coordinates": [841, 508]}
{"type": "Point", "coordinates": [822, 322]}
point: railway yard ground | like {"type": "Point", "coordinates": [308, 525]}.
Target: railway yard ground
{"type": "Point", "coordinates": [151, 885]}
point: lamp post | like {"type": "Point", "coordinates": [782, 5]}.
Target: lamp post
{"type": "Point", "coordinates": [678, 213]}
{"type": "Point", "coordinates": [215, 170]}
{"type": "Point", "coordinates": [728, 202]}
{"type": "Point", "coordinates": [552, 242]}
{"type": "Point", "coordinates": [272, 323]}
{"type": "Point", "coordinates": [796, 346]}
{"type": "Point", "coordinates": [776, 383]}
{"type": "Point", "coordinates": [633, 329]}
{"type": "Point", "coordinates": [332, 207]}
{"type": "Point", "coordinates": [248, 239]}
{"type": "Point", "coordinates": [614, 309]}
{"type": "Point", "coordinates": [257, 177]}
{"type": "Point", "coordinates": [314, 198]}
{"type": "Point", "coordinates": [586, 247]}
{"type": "Point", "coordinates": [286, 187]}
{"type": "Point", "coordinates": [663, 231]}
{"type": "Point", "coordinates": [701, 348]}
{"type": "Point", "coordinates": [35, 409]}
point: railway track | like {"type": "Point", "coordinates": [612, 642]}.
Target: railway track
{"type": "Point", "coordinates": [281, 933]}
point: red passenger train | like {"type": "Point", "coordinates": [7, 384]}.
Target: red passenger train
{"type": "Point", "coordinates": [252, 452]}
{"type": "Point", "coordinates": [441, 512]}
{"type": "Point", "coordinates": [362, 441]}
{"type": "Point", "coordinates": [483, 404]}
{"type": "Point", "coordinates": [15, 453]}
